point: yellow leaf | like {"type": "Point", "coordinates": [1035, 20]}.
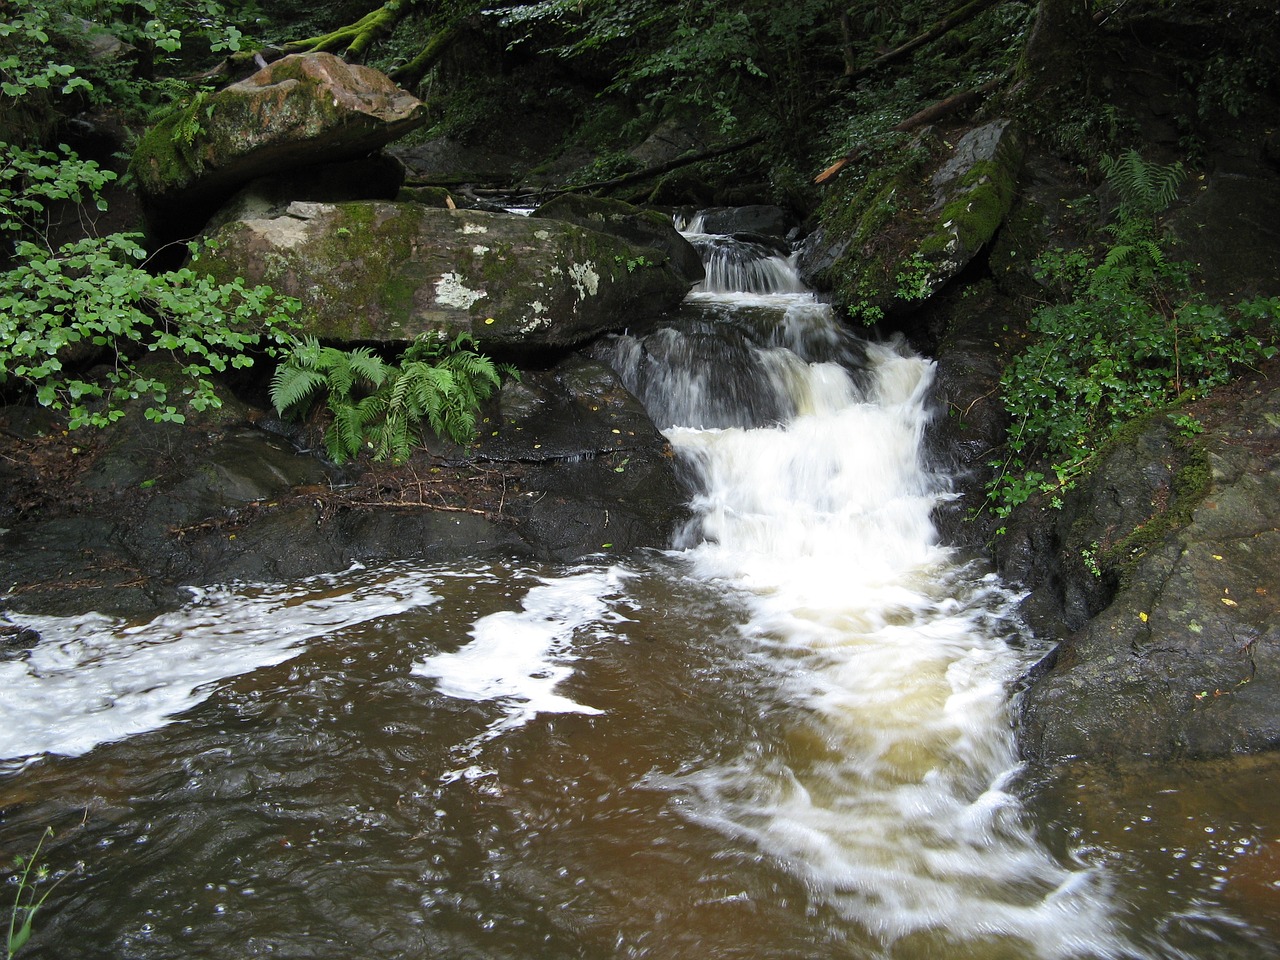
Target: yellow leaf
{"type": "Point", "coordinates": [1229, 602]}
{"type": "Point", "coordinates": [1143, 617]}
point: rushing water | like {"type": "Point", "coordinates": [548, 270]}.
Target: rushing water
{"type": "Point", "coordinates": [786, 737]}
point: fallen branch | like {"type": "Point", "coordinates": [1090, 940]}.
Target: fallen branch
{"type": "Point", "coordinates": [951, 104]}
{"type": "Point", "coordinates": [418, 504]}
{"type": "Point", "coordinates": [931, 113]}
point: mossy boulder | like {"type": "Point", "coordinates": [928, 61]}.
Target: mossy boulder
{"type": "Point", "coordinates": [386, 271]}
{"type": "Point", "coordinates": [645, 228]}
{"type": "Point", "coordinates": [891, 240]}
{"type": "Point", "coordinates": [298, 112]}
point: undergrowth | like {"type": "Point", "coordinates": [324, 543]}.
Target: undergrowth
{"type": "Point", "coordinates": [383, 407]}
{"type": "Point", "coordinates": [1128, 337]}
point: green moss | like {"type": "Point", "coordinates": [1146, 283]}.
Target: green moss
{"type": "Point", "coordinates": [986, 195]}
{"type": "Point", "coordinates": [1189, 485]}
{"type": "Point", "coordinates": [162, 160]}
{"type": "Point", "coordinates": [862, 277]}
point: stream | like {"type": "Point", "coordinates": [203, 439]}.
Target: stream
{"type": "Point", "coordinates": [788, 735]}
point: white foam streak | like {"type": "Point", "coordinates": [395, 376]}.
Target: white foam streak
{"type": "Point", "coordinates": [517, 659]}
{"type": "Point", "coordinates": [95, 679]}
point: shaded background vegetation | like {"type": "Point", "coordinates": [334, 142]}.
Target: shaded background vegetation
{"type": "Point", "coordinates": [698, 103]}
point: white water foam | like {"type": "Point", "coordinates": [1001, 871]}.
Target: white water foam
{"type": "Point", "coordinates": [894, 665]}
{"type": "Point", "coordinates": [517, 658]}
{"type": "Point", "coordinates": [95, 679]}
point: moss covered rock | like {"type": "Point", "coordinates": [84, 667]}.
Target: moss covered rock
{"type": "Point", "coordinates": [645, 228]}
{"type": "Point", "coordinates": [1181, 660]}
{"type": "Point", "coordinates": [894, 238]}
{"type": "Point", "coordinates": [386, 271]}
{"type": "Point", "coordinates": [295, 113]}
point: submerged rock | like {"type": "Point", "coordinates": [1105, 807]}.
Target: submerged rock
{"type": "Point", "coordinates": [380, 271]}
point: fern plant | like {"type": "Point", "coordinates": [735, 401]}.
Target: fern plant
{"type": "Point", "coordinates": [1146, 188]}
{"type": "Point", "coordinates": [382, 407]}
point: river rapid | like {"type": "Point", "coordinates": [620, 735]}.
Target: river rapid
{"type": "Point", "coordinates": [788, 735]}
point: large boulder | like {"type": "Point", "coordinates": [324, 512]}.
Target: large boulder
{"type": "Point", "coordinates": [645, 228]}
{"type": "Point", "coordinates": [911, 226]}
{"type": "Point", "coordinates": [298, 112]}
{"type": "Point", "coordinates": [1182, 660]}
{"type": "Point", "coordinates": [381, 271]}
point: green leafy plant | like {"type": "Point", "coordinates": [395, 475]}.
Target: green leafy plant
{"type": "Point", "coordinates": [76, 321]}
{"type": "Point", "coordinates": [633, 263]}
{"type": "Point", "coordinates": [1129, 338]}
{"type": "Point", "coordinates": [383, 407]}
{"type": "Point", "coordinates": [28, 900]}
{"type": "Point", "coordinates": [77, 318]}
{"type": "Point", "coordinates": [1089, 557]}
{"type": "Point", "coordinates": [1188, 426]}
{"type": "Point", "coordinates": [913, 277]}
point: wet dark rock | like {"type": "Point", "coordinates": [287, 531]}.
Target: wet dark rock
{"type": "Point", "coordinates": [760, 220]}
{"type": "Point", "coordinates": [1231, 229]}
{"type": "Point", "coordinates": [1184, 659]}
{"type": "Point", "coordinates": [15, 641]}
{"type": "Point", "coordinates": [567, 465]}
{"type": "Point", "coordinates": [595, 474]}
{"type": "Point", "coordinates": [977, 333]}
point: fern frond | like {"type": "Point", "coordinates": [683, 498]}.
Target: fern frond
{"type": "Point", "coordinates": [1145, 188]}
{"type": "Point", "coordinates": [291, 385]}
{"type": "Point", "coordinates": [425, 347]}
{"type": "Point", "coordinates": [346, 436]}
{"type": "Point", "coordinates": [363, 362]}
{"type": "Point", "coordinates": [307, 352]}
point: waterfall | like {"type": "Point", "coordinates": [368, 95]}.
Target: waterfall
{"type": "Point", "coordinates": [785, 734]}
{"type": "Point", "coordinates": [888, 799]}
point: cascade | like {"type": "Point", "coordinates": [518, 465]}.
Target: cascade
{"type": "Point", "coordinates": [786, 734]}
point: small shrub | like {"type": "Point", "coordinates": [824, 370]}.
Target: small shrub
{"type": "Point", "coordinates": [28, 901]}
{"type": "Point", "coordinates": [92, 301]}
{"type": "Point", "coordinates": [1130, 339]}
